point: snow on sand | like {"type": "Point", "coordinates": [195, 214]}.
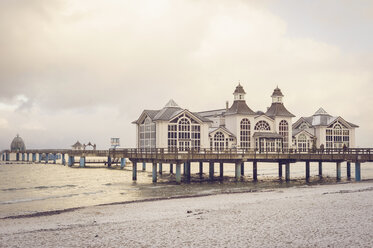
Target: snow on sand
{"type": "Point", "coordinates": [338, 215]}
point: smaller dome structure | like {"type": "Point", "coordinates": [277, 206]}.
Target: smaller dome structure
{"type": "Point", "coordinates": [17, 144]}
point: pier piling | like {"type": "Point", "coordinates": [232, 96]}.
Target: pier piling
{"type": "Point", "coordinates": [178, 173]}
{"type": "Point", "coordinates": [211, 170]}
{"type": "Point", "coordinates": [242, 168]}
{"type": "Point", "coordinates": [134, 171]}
{"type": "Point", "coordinates": [221, 170]}
{"type": "Point", "coordinates": [160, 168]}
{"type": "Point", "coordinates": [187, 171]}
{"type": "Point", "coordinates": [143, 166]}
{"type": "Point", "coordinates": [280, 170]}
{"type": "Point", "coordinates": [82, 162]}
{"type": "Point", "coordinates": [154, 172]}
{"type": "Point", "coordinates": [237, 170]}
{"type": "Point", "coordinates": [338, 168]}
{"type": "Point", "coordinates": [200, 169]}
{"type": "Point", "coordinates": [320, 169]}
{"type": "Point", "coordinates": [307, 170]}
{"type": "Point", "coordinates": [287, 171]}
{"type": "Point", "coordinates": [122, 163]}
{"type": "Point", "coordinates": [357, 172]}
{"type": "Point", "coordinates": [348, 170]}
{"type": "Point", "coordinates": [255, 171]}
{"type": "Point", "coordinates": [63, 159]}
{"type": "Point", "coordinates": [171, 169]}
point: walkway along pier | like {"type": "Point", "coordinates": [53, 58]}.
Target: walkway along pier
{"type": "Point", "coordinates": [159, 156]}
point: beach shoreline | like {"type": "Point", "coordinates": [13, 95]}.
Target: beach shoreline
{"type": "Point", "coordinates": [334, 215]}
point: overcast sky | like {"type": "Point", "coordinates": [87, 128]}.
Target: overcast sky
{"type": "Point", "coordinates": [84, 70]}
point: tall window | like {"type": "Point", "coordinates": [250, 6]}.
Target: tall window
{"type": "Point", "coordinates": [219, 141]}
{"type": "Point", "coordinates": [302, 143]}
{"type": "Point", "coordinates": [147, 134]}
{"type": "Point", "coordinates": [184, 133]}
{"type": "Point", "coordinates": [245, 133]}
{"type": "Point", "coordinates": [284, 132]}
{"type": "Point", "coordinates": [172, 137]}
{"type": "Point", "coordinates": [262, 126]}
{"type": "Point", "coordinates": [337, 136]}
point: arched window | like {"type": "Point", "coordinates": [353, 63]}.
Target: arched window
{"type": "Point", "coordinates": [245, 133]}
{"type": "Point", "coordinates": [284, 132]}
{"type": "Point", "coordinates": [262, 126]}
{"type": "Point", "coordinates": [147, 133]}
{"type": "Point", "coordinates": [302, 143]}
{"type": "Point", "coordinates": [184, 133]}
{"type": "Point", "coordinates": [219, 139]}
{"type": "Point", "coordinates": [337, 136]}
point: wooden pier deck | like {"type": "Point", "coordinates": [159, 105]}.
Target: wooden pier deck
{"type": "Point", "coordinates": [159, 156]}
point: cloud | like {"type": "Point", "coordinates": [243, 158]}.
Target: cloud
{"type": "Point", "coordinates": [86, 69]}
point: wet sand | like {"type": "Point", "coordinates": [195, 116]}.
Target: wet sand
{"type": "Point", "coordinates": [339, 215]}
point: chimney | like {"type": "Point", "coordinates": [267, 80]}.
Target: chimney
{"type": "Point", "coordinates": [226, 105]}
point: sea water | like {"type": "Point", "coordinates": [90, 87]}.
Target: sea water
{"type": "Point", "coordinates": [27, 188]}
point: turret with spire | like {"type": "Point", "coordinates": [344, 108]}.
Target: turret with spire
{"type": "Point", "coordinates": [239, 105]}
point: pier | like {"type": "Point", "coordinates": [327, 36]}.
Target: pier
{"type": "Point", "coordinates": [158, 157]}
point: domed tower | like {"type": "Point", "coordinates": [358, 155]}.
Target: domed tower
{"type": "Point", "coordinates": [17, 144]}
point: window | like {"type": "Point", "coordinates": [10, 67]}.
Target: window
{"type": "Point", "coordinates": [219, 141]}
{"type": "Point", "coordinates": [337, 136]}
{"type": "Point", "coordinates": [184, 133]}
{"type": "Point", "coordinates": [262, 126]}
{"type": "Point", "coordinates": [302, 143]}
{"type": "Point", "coordinates": [245, 133]}
{"type": "Point", "coordinates": [284, 132]}
{"type": "Point", "coordinates": [147, 133]}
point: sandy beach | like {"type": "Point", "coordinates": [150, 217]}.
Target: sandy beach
{"type": "Point", "coordinates": [339, 215]}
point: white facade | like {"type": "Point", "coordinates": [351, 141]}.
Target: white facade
{"type": "Point", "coordinates": [240, 127]}
{"type": "Point", "coordinates": [327, 131]}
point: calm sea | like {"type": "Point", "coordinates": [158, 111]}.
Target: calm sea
{"type": "Point", "coordinates": [31, 188]}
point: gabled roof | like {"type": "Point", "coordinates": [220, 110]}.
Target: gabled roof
{"type": "Point", "coordinates": [211, 130]}
{"type": "Point", "coordinates": [298, 131]}
{"type": "Point", "coordinates": [321, 118]}
{"type": "Point", "coordinates": [77, 144]}
{"type": "Point", "coordinates": [340, 119]}
{"type": "Point", "coordinates": [196, 115]}
{"type": "Point", "coordinates": [150, 113]}
{"type": "Point", "coordinates": [278, 109]}
{"type": "Point", "coordinates": [239, 107]}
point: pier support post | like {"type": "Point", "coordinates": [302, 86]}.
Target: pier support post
{"type": "Point", "coordinates": [108, 161]}
{"type": "Point", "coordinates": [23, 157]}
{"type": "Point", "coordinates": [7, 156]}
{"type": "Point", "coordinates": [154, 172]}
{"type": "Point", "coordinates": [221, 170]}
{"type": "Point", "coordinates": [211, 170]}
{"type": "Point", "coordinates": [63, 159]}
{"type": "Point", "coordinates": [143, 166]}
{"type": "Point", "coordinates": [54, 158]}
{"type": "Point", "coordinates": [348, 170]}
{"type": "Point", "coordinates": [357, 172]}
{"type": "Point", "coordinates": [237, 171]}
{"type": "Point", "coordinates": [287, 171]}
{"type": "Point", "coordinates": [17, 156]}
{"type": "Point", "coordinates": [82, 162]}
{"type": "Point", "coordinates": [178, 173]}
{"type": "Point", "coordinates": [34, 157]}
{"type": "Point", "coordinates": [28, 157]}
{"type": "Point", "coordinates": [46, 158]}
{"type": "Point", "coordinates": [160, 168]}
{"type": "Point", "coordinates": [171, 168]}
{"type": "Point", "coordinates": [71, 161]}
{"type": "Point", "coordinates": [200, 169]}
{"type": "Point", "coordinates": [338, 165]}
{"type": "Point", "coordinates": [40, 157]}
{"type": "Point", "coordinates": [134, 171]}
{"type": "Point", "coordinates": [320, 169]}
{"type": "Point", "coordinates": [280, 170]}
{"type": "Point", "coordinates": [242, 168]}
{"type": "Point", "coordinates": [184, 168]}
{"type": "Point", "coordinates": [122, 163]}
{"type": "Point", "coordinates": [255, 171]}
{"type": "Point", "coordinates": [307, 171]}
{"type": "Point", "coordinates": [187, 170]}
